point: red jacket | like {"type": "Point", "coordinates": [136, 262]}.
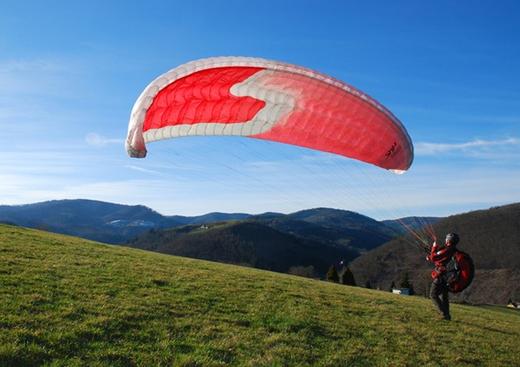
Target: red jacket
{"type": "Point", "coordinates": [440, 258]}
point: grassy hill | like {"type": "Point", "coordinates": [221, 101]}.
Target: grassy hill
{"type": "Point", "coordinates": [71, 302]}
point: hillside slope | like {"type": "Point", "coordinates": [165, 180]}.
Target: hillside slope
{"type": "Point", "coordinates": [245, 243]}
{"type": "Point", "coordinates": [491, 237]}
{"type": "Point", "coordinates": [71, 302]}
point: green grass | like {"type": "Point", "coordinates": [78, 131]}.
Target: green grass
{"type": "Point", "coordinates": [71, 302]}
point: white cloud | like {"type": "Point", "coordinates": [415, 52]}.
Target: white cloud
{"type": "Point", "coordinates": [474, 146]}
{"type": "Point", "coordinates": [144, 170]}
{"type": "Point", "coordinates": [98, 140]}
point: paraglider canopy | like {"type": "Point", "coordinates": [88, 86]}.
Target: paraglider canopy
{"type": "Point", "coordinates": [268, 100]}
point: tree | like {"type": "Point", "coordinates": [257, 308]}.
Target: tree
{"type": "Point", "coordinates": [368, 285]}
{"type": "Point", "coordinates": [392, 286]}
{"type": "Point", "coordinates": [405, 283]}
{"type": "Point", "coordinates": [332, 274]}
{"type": "Point", "coordinates": [411, 291]}
{"type": "Point", "coordinates": [348, 278]}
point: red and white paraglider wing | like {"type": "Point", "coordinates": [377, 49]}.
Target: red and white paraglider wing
{"type": "Point", "coordinates": [268, 100]}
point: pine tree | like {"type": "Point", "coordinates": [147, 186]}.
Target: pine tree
{"type": "Point", "coordinates": [348, 278]}
{"type": "Point", "coordinates": [332, 274]}
{"type": "Point", "coordinates": [405, 282]}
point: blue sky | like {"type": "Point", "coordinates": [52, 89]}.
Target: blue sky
{"type": "Point", "coordinates": [71, 71]}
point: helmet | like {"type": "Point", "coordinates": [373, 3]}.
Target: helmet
{"type": "Point", "coordinates": [452, 238]}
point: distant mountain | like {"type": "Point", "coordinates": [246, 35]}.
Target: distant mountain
{"type": "Point", "coordinates": [334, 226]}
{"type": "Point", "coordinates": [115, 223]}
{"type": "Point", "coordinates": [209, 218]}
{"type": "Point", "coordinates": [491, 237]}
{"type": "Point", "coordinates": [96, 220]}
{"type": "Point", "coordinates": [245, 243]}
{"type": "Point", "coordinates": [268, 215]}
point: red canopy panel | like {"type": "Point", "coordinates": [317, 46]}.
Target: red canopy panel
{"type": "Point", "coordinates": [268, 100]}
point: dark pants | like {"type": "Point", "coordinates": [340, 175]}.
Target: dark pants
{"type": "Point", "coordinates": [439, 296]}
